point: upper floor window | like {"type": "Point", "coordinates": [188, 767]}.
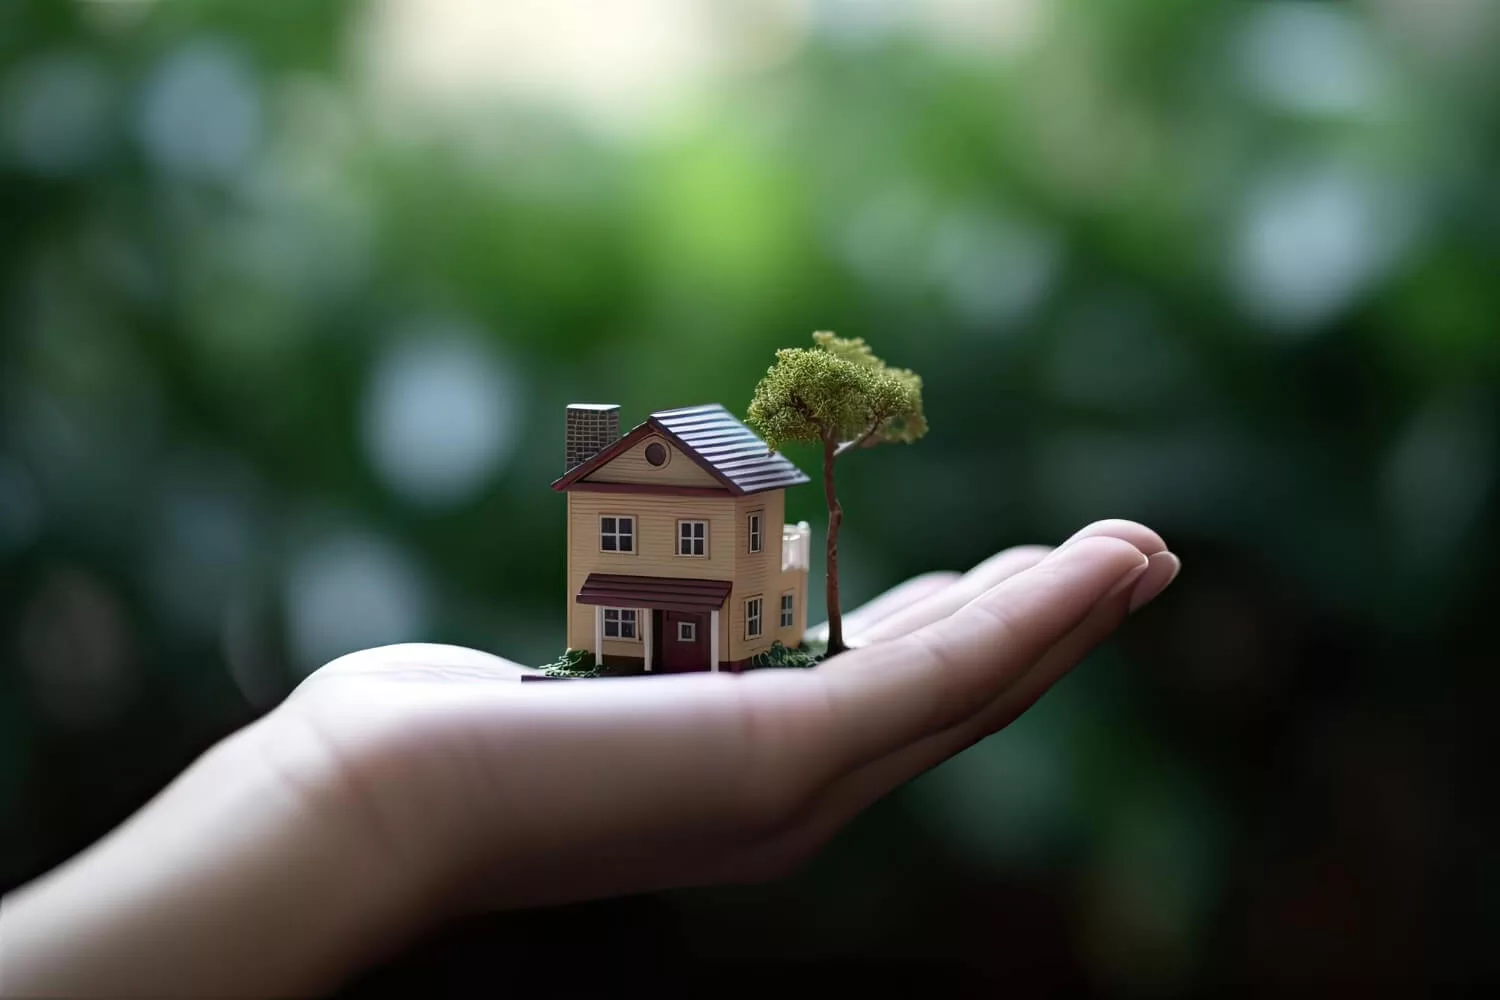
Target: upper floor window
{"type": "Point", "coordinates": [656, 454]}
{"type": "Point", "coordinates": [616, 533]}
{"type": "Point", "coordinates": [692, 538]}
{"type": "Point", "coordinates": [757, 533]}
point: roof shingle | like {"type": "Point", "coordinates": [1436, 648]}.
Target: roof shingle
{"type": "Point", "coordinates": [711, 436]}
{"type": "Point", "coordinates": [728, 449]}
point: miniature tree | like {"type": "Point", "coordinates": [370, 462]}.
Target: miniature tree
{"type": "Point", "coordinates": [839, 394]}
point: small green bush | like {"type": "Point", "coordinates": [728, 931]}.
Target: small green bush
{"type": "Point", "coordinates": [570, 664]}
{"type": "Point", "coordinates": [780, 656]}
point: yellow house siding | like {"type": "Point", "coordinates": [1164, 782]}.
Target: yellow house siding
{"type": "Point", "coordinates": [631, 467]}
{"type": "Point", "coordinates": [757, 574]}
{"type": "Point", "coordinates": [753, 574]}
{"type": "Point", "coordinates": [655, 551]}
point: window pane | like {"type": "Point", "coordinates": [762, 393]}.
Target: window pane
{"type": "Point", "coordinates": [607, 524]}
{"type": "Point", "coordinates": [627, 525]}
{"type": "Point", "coordinates": [627, 544]}
{"type": "Point", "coordinates": [607, 543]}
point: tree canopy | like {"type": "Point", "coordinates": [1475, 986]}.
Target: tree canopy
{"type": "Point", "coordinates": [838, 391]}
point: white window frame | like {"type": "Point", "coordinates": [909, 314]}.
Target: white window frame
{"type": "Point", "coordinates": [687, 631]}
{"type": "Point", "coordinates": [693, 538]}
{"type": "Point", "coordinates": [617, 534]}
{"type": "Point", "coordinates": [623, 618]}
{"type": "Point", "coordinates": [755, 528]}
{"type": "Point", "coordinates": [755, 612]}
{"type": "Point", "coordinates": [788, 609]}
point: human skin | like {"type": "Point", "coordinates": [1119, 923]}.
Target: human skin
{"type": "Point", "coordinates": [401, 786]}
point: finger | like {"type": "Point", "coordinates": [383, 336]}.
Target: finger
{"type": "Point", "coordinates": [891, 694]}
{"type": "Point", "coordinates": [942, 603]}
{"type": "Point", "coordinates": [999, 567]}
{"type": "Point", "coordinates": [1068, 653]}
{"type": "Point", "coordinates": [1142, 537]}
{"type": "Point", "coordinates": [854, 793]}
{"type": "Point", "coordinates": [893, 601]}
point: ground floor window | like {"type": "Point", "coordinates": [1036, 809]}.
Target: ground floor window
{"type": "Point", "coordinates": [753, 618]}
{"type": "Point", "coordinates": [619, 623]}
{"type": "Point", "coordinates": [687, 631]}
{"type": "Point", "coordinates": [788, 603]}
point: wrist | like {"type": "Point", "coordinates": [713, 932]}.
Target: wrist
{"type": "Point", "coordinates": [243, 877]}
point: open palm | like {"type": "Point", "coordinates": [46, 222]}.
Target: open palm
{"type": "Point", "coordinates": [510, 794]}
{"type": "Point", "coordinates": [401, 785]}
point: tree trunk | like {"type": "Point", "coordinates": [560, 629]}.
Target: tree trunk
{"type": "Point", "coordinates": [835, 518]}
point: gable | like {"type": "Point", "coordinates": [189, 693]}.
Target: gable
{"type": "Point", "coordinates": [728, 452]}
{"type": "Point", "coordinates": [633, 466]}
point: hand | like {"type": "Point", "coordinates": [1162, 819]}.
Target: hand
{"type": "Point", "coordinates": [401, 785]}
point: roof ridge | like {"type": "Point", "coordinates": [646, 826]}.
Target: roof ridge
{"type": "Point", "coordinates": [704, 408]}
{"type": "Point", "coordinates": [714, 438]}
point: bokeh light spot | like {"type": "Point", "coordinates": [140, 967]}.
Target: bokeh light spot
{"type": "Point", "coordinates": [994, 270]}
{"type": "Point", "coordinates": [200, 112]}
{"type": "Point", "coordinates": [1310, 242]}
{"type": "Point", "coordinates": [349, 591]}
{"type": "Point", "coordinates": [1308, 58]}
{"type": "Point", "coordinates": [440, 416]}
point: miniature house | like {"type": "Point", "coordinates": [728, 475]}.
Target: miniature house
{"type": "Point", "coordinates": [678, 557]}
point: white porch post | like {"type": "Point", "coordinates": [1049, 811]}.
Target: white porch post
{"type": "Point", "coordinates": [598, 635]}
{"type": "Point", "coordinates": [713, 641]}
{"type": "Point", "coordinates": [643, 617]}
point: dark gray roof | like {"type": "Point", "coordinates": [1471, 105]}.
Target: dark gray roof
{"type": "Point", "coordinates": [727, 448]}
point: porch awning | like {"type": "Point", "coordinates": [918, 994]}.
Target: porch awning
{"type": "Point", "coordinates": [661, 592]}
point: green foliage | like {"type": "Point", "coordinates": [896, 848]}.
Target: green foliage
{"type": "Point", "coordinates": [780, 656]}
{"type": "Point", "coordinates": [1225, 268]}
{"type": "Point", "coordinates": [837, 391]}
{"type": "Point", "coordinates": [570, 664]}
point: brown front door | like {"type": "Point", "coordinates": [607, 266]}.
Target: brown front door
{"type": "Point", "coordinates": [683, 641]}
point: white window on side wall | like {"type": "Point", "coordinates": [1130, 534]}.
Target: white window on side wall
{"type": "Point", "coordinates": [757, 532]}
{"type": "Point", "coordinates": [788, 610]}
{"type": "Point", "coordinates": [754, 619]}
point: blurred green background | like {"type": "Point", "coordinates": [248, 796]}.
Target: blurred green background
{"type": "Point", "coordinates": [294, 294]}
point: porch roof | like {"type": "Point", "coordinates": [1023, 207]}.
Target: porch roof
{"type": "Point", "coordinates": [665, 593]}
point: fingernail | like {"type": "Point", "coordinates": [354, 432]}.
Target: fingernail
{"type": "Point", "coordinates": [1161, 570]}
{"type": "Point", "coordinates": [1127, 581]}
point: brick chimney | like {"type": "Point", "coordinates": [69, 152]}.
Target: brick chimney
{"type": "Point", "coordinates": [591, 427]}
